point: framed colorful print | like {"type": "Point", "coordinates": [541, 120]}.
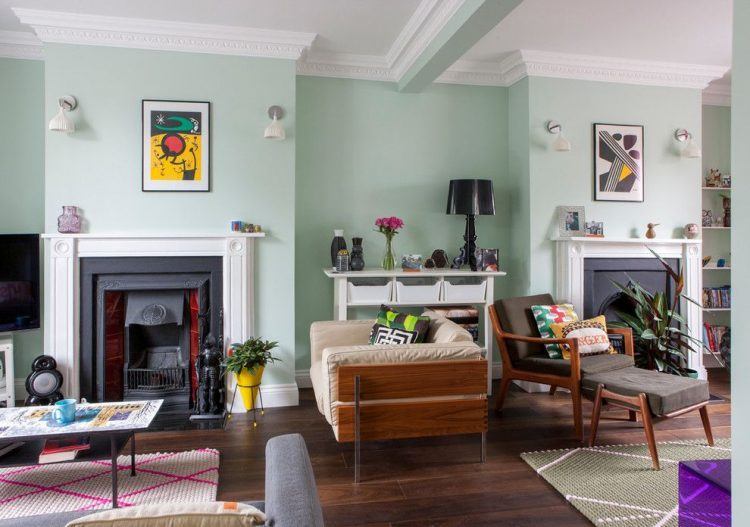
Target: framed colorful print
{"type": "Point", "coordinates": [618, 162]}
{"type": "Point", "coordinates": [571, 221]}
{"type": "Point", "coordinates": [176, 146]}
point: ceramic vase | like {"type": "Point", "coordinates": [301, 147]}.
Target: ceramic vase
{"type": "Point", "coordinates": [69, 222]}
{"type": "Point", "coordinates": [357, 262]}
{"type": "Point", "coordinates": [337, 244]}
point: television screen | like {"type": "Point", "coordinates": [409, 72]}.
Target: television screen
{"type": "Point", "coordinates": [19, 281]}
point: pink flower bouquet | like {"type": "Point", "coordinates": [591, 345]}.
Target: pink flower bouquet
{"type": "Point", "coordinates": [389, 226]}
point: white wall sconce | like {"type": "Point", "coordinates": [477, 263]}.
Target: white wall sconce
{"type": "Point", "coordinates": [60, 122]}
{"type": "Point", "coordinates": [560, 144]}
{"type": "Point", "coordinates": [275, 130]}
{"type": "Point", "coordinates": [691, 148]}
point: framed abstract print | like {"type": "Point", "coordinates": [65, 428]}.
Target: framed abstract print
{"type": "Point", "coordinates": [176, 146]}
{"type": "Point", "coordinates": [618, 162]}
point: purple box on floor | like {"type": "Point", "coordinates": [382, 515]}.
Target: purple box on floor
{"type": "Point", "coordinates": [705, 493]}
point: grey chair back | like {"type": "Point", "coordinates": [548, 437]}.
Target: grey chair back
{"type": "Point", "coordinates": [516, 317]}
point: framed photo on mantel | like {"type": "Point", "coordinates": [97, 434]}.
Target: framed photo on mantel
{"type": "Point", "coordinates": [176, 146]}
{"type": "Point", "coordinates": [618, 162]}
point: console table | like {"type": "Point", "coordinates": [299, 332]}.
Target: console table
{"type": "Point", "coordinates": [482, 296]}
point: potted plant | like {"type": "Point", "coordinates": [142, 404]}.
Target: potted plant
{"type": "Point", "coordinates": [247, 361]}
{"type": "Point", "coordinates": [659, 344]}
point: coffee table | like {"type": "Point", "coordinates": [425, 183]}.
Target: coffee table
{"type": "Point", "coordinates": [109, 427]}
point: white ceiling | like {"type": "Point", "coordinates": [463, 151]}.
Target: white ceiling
{"type": "Point", "coordinates": [692, 31]}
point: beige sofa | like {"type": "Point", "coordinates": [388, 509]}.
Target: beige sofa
{"type": "Point", "coordinates": [412, 390]}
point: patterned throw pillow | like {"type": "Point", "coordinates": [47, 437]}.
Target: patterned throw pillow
{"type": "Point", "coordinates": [393, 319]}
{"type": "Point", "coordinates": [545, 316]}
{"type": "Point", "coordinates": [384, 335]}
{"type": "Point", "coordinates": [591, 334]}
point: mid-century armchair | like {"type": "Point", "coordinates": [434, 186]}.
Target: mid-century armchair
{"type": "Point", "coordinates": [524, 357]}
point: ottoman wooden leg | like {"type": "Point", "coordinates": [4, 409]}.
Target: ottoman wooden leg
{"type": "Point", "coordinates": [648, 427]}
{"type": "Point", "coordinates": [707, 425]}
{"type": "Point", "coordinates": [596, 414]}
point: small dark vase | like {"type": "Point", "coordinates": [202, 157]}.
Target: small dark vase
{"type": "Point", "coordinates": [357, 262]}
{"type": "Point", "coordinates": [337, 244]}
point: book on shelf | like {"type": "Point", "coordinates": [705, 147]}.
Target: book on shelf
{"type": "Point", "coordinates": [717, 297]}
{"type": "Point", "coordinates": [713, 336]}
{"type": "Point", "coordinates": [465, 316]}
{"type": "Point", "coordinates": [66, 449]}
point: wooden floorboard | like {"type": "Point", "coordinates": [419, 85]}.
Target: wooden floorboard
{"type": "Point", "coordinates": [431, 481]}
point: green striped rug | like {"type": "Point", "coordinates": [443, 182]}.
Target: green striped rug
{"type": "Point", "coordinates": [615, 485]}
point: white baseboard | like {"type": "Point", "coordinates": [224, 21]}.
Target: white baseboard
{"type": "Point", "coordinates": [274, 395]}
{"type": "Point", "coordinates": [303, 378]}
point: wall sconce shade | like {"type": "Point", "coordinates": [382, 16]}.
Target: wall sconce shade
{"type": "Point", "coordinates": [691, 148]}
{"type": "Point", "coordinates": [60, 122]}
{"type": "Point", "coordinates": [560, 144]}
{"type": "Point", "coordinates": [275, 130]}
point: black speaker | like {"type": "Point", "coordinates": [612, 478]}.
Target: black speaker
{"type": "Point", "coordinates": [44, 382]}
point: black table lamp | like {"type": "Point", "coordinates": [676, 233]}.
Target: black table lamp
{"type": "Point", "coordinates": [470, 197]}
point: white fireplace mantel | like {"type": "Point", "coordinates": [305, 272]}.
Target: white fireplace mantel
{"type": "Point", "coordinates": [64, 251]}
{"type": "Point", "coordinates": [571, 254]}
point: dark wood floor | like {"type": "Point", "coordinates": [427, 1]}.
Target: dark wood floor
{"type": "Point", "coordinates": [436, 481]}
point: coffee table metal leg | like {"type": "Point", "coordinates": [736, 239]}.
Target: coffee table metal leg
{"type": "Point", "coordinates": [132, 455]}
{"type": "Point", "coordinates": [113, 447]}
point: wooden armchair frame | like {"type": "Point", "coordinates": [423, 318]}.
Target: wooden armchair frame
{"type": "Point", "coordinates": [572, 382]}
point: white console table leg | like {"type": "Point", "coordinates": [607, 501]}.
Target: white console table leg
{"type": "Point", "coordinates": [339, 298]}
{"type": "Point", "coordinates": [489, 339]}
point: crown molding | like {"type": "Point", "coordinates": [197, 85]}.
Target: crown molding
{"type": "Point", "coordinates": [97, 30]}
{"type": "Point", "coordinates": [718, 94]}
{"type": "Point", "coordinates": [532, 63]}
{"type": "Point", "coordinates": [20, 45]}
{"type": "Point", "coordinates": [477, 73]}
{"type": "Point", "coordinates": [345, 66]}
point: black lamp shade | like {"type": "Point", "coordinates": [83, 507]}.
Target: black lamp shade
{"type": "Point", "coordinates": [471, 196]}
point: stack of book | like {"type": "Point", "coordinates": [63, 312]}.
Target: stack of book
{"type": "Point", "coordinates": [712, 336]}
{"type": "Point", "coordinates": [717, 297]}
{"type": "Point", "coordinates": [465, 316]}
{"type": "Point", "coordinates": [66, 449]}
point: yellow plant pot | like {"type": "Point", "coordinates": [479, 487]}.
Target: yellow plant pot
{"type": "Point", "coordinates": [248, 384]}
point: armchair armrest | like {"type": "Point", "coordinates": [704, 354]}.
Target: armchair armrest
{"type": "Point", "coordinates": [572, 343]}
{"type": "Point", "coordinates": [337, 333]}
{"type": "Point", "coordinates": [627, 335]}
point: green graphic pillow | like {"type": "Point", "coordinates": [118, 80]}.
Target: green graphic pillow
{"type": "Point", "coordinates": [393, 319]}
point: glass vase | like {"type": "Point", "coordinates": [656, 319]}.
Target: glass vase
{"type": "Point", "coordinates": [389, 261]}
{"type": "Point", "coordinates": [69, 221]}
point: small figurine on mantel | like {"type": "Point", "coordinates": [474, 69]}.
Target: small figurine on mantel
{"type": "Point", "coordinates": [651, 233]}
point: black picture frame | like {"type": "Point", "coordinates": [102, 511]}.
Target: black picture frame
{"type": "Point", "coordinates": [204, 107]}
{"type": "Point", "coordinates": [636, 196]}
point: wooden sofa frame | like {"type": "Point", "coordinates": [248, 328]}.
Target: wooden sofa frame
{"type": "Point", "coordinates": [397, 405]}
{"type": "Point", "coordinates": [572, 382]}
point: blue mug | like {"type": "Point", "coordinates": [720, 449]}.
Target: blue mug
{"type": "Point", "coordinates": [65, 411]}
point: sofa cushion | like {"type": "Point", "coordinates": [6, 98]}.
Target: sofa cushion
{"type": "Point", "coordinates": [545, 316]}
{"type": "Point", "coordinates": [443, 329]}
{"type": "Point", "coordinates": [516, 317]}
{"type": "Point", "coordinates": [666, 393]}
{"type": "Point", "coordinates": [589, 365]}
{"type": "Point", "coordinates": [393, 319]}
{"type": "Point", "coordinates": [384, 335]}
{"type": "Point", "coordinates": [591, 335]}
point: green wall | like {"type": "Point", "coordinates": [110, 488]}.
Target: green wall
{"type": "Point", "coordinates": [99, 167]}
{"type": "Point", "coordinates": [565, 178]}
{"type": "Point", "coordinates": [364, 150]}
{"type": "Point", "coordinates": [717, 122]}
{"type": "Point", "coordinates": [740, 261]}
{"type": "Point", "coordinates": [22, 170]}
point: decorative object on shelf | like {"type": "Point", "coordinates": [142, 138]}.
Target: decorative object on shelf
{"type": "Point", "coordinates": [210, 393]}
{"type": "Point", "coordinates": [651, 231]}
{"type": "Point", "coordinates": [248, 227]}
{"type": "Point", "coordinates": [705, 261]}
{"type": "Point", "coordinates": [275, 130]}
{"type": "Point", "coordinates": [707, 218]}
{"type": "Point", "coordinates": [247, 361]}
{"type": "Point", "coordinates": [459, 260]}
{"type": "Point", "coordinates": [560, 144]}
{"type": "Point", "coordinates": [257, 228]}
{"type": "Point", "coordinates": [726, 203]}
{"type": "Point", "coordinates": [721, 262]}
{"type": "Point", "coordinates": [60, 122]}
{"type": "Point", "coordinates": [342, 261]}
{"type": "Point", "coordinates": [571, 221]}
{"type": "Point", "coordinates": [357, 262]}
{"type": "Point", "coordinates": [659, 344]}
{"type": "Point", "coordinates": [594, 229]}
{"type": "Point", "coordinates": [691, 231]}
{"type": "Point", "coordinates": [429, 263]}
{"type": "Point", "coordinates": [490, 259]}
{"type": "Point", "coordinates": [388, 227]}
{"type": "Point", "coordinates": [44, 382]}
{"type": "Point", "coordinates": [440, 258]}
{"type": "Point", "coordinates": [176, 146]}
{"type": "Point", "coordinates": [69, 222]}
{"type": "Point", "coordinates": [618, 162]}
{"type": "Point", "coordinates": [726, 181]}
{"type": "Point", "coordinates": [337, 244]}
{"type": "Point", "coordinates": [713, 179]}
{"type": "Point", "coordinates": [411, 262]}
{"type": "Point", "coordinates": [692, 149]}
{"type": "Point", "coordinates": [236, 226]}
{"type": "Point", "coordinates": [470, 197]}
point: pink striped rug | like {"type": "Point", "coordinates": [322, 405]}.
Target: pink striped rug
{"type": "Point", "coordinates": [191, 476]}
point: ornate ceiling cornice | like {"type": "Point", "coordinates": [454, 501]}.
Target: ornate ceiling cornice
{"type": "Point", "coordinates": [20, 45]}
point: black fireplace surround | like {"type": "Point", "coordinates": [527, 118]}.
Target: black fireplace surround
{"type": "Point", "coordinates": [167, 276]}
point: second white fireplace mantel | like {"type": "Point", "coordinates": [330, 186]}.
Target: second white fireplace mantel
{"type": "Point", "coordinates": [571, 254]}
{"type": "Point", "coordinates": [62, 303]}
